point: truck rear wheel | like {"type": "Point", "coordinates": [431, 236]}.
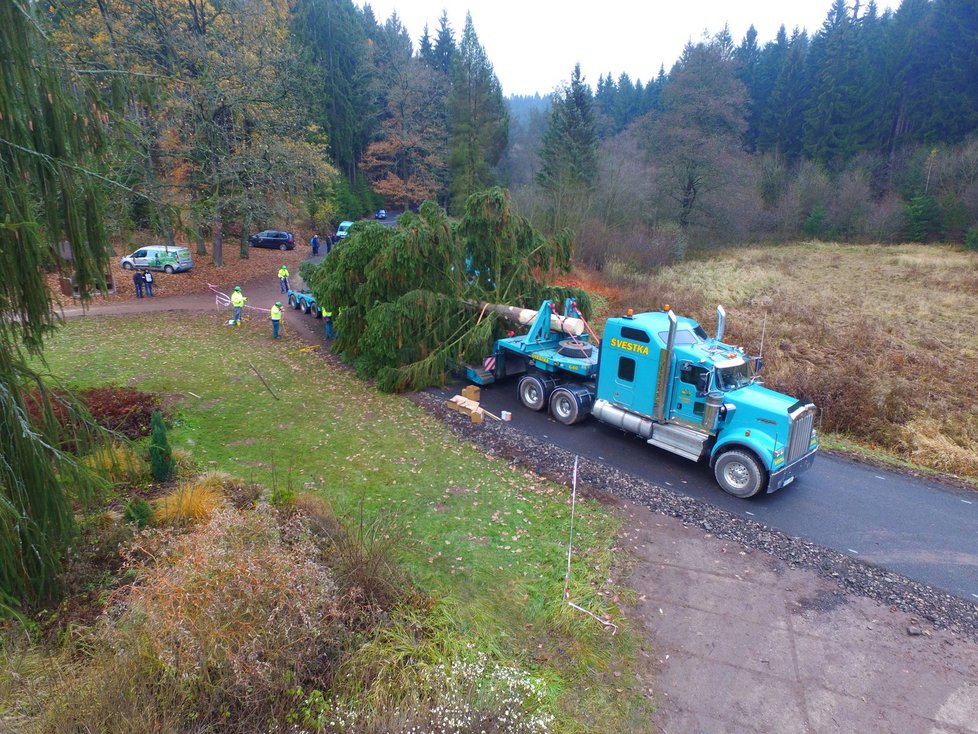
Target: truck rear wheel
{"type": "Point", "coordinates": [564, 407]}
{"type": "Point", "coordinates": [739, 473]}
{"type": "Point", "coordinates": [532, 392]}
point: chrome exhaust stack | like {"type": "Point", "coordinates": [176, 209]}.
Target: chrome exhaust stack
{"type": "Point", "coordinates": [665, 368]}
{"type": "Point", "coordinates": [721, 322]}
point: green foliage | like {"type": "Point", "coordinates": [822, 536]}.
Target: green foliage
{"type": "Point", "coordinates": [924, 218]}
{"type": "Point", "coordinates": [139, 512]}
{"type": "Point", "coordinates": [161, 459]}
{"type": "Point", "coordinates": [282, 497]}
{"type": "Point", "coordinates": [971, 239]}
{"type": "Point", "coordinates": [51, 142]}
{"type": "Point", "coordinates": [405, 298]}
{"type": "Point", "coordinates": [478, 121]}
{"type": "Point", "coordinates": [814, 225]}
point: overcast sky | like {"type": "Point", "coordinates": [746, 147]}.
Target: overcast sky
{"type": "Point", "coordinates": [534, 44]}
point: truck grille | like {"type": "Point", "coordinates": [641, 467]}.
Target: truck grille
{"type": "Point", "coordinates": [800, 432]}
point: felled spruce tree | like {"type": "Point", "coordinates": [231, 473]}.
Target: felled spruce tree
{"type": "Point", "coordinates": [405, 299]}
{"type": "Point", "coordinates": [160, 454]}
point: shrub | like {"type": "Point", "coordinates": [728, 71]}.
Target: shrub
{"type": "Point", "coordinates": [971, 239]}
{"type": "Point", "coordinates": [160, 455]}
{"type": "Point", "coordinates": [282, 497]}
{"type": "Point", "coordinates": [139, 512]}
{"type": "Point", "coordinates": [189, 504]}
{"type": "Point", "coordinates": [183, 462]}
{"type": "Point", "coordinates": [220, 625]}
{"type": "Point", "coordinates": [118, 463]}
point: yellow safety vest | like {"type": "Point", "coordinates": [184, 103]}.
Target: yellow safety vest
{"type": "Point", "coordinates": [237, 299]}
{"type": "Point", "coordinates": [276, 313]}
{"type": "Point", "coordinates": [283, 272]}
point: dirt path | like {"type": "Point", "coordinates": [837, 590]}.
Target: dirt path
{"type": "Point", "coordinates": [740, 642]}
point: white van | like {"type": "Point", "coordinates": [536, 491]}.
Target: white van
{"type": "Point", "coordinates": [343, 230]}
{"type": "Point", "coordinates": [168, 258]}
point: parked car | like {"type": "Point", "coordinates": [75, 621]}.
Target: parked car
{"type": "Point", "coordinates": [275, 239]}
{"type": "Point", "coordinates": [168, 258]}
{"type": "Point", "coordinates": [381, 214]}
{"type": "Point", "coordinates": [343, 230]}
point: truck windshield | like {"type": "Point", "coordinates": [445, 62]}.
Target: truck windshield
{"type": "Point", "coordinates": [730, 378]}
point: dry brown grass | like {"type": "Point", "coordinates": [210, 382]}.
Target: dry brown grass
{"type": "Point", "coordinates": [189, 504]}
{"type": "Point", "coordinates": [118, 463]}
{"type": "Point", "coordinates": [882, 338]}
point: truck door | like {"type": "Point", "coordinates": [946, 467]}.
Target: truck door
{"type": "Point", "coordinates": [690, 388]}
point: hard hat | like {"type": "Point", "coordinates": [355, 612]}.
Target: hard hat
{"type": "Point", "coordinates": [278, 303]}
{"type": "Point", "coordinates": [283, 266]}
{"type": "Point", "coordinates": [237, 287]}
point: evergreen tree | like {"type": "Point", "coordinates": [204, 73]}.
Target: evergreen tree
{"type": "Point", "coordinates": [837, 121]}
{"type": "Point", "coordinates": [568, 155]}
{"type": "Point", "coordinates": [336, 35]}
{"type": "Point", "coordinates": [762, 129]}
{"type": "Point", "coordinates": [748, 56]}
{"type": "Point", "coordinates": [478, 121]}
{"type": "Point", "coordinates": [783, 122]}
{"type": "Point", "coordinates": [444, 50]}
{"type": "Point", "coordinates": [52, 148]}
{"type": "Point", "coordinates": [160, 454]}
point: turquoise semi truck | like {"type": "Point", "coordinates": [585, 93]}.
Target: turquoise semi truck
{"type": "Point", "coordinates": [661, 377]}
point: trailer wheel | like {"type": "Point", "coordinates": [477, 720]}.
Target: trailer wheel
{"type": "Point", "coordinates": [305, 306]}
{"type": "Point", "coordinates": [739, 473]}
{"type": "Point", "coordinates": [564, 407]}
{"type": "Point", "coordinates": [532, 393]}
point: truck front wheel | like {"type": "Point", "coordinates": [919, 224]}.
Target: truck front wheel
{"type": "Point", "coordinates": [739, 473]}
{"type": "Point", "coordinates": [532, 393]}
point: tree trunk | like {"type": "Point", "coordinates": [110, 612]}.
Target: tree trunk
{"type": "Point", "coordinates": [218, 240]}
{"type": "Point", "coordinates": [201, 241]}
{"type": "Point", "coordinates": [243, 241]}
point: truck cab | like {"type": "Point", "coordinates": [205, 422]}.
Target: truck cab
{"type": "Point", "coordinates": [662, 377]}
{"type": "Point", "coordinates": [702, 398]}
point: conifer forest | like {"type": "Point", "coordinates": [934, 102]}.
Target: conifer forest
{"type": "Point", "coordinates": [224, 116]}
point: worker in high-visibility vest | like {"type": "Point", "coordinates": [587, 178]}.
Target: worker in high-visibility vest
{"type": "Point", "coordinates": [283, 279]}
{"type": "Point", "coordinates": [328, 323]}
{"type": "Point", "coordinates": [237, 303]}
{"type": "Point", "coordinates": [276, 317]}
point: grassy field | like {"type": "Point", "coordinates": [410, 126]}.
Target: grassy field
{"type": "Point", "coordinates": [882, 338]}
{"type": "Point", "coordinates": [485, 540]}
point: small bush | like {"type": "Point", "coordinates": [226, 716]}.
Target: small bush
{"type": "Point", "coordinates": [138, 512]}
{"type": "Point", "coordinates": [282, 497]}
{"type": "Point", "coordinates": [971, 239]}
{"type": "Point", "coordinates": [183, 462]}
{"type": "Point", "coordinates": [160, 454]}
{"type": "Point", "coordinates": [118, 463]}
{"type": "Point", "coordinates": [191, 503]}
{"type": "Point", "coordinates": [222, 623]}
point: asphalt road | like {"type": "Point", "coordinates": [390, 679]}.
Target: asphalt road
{"type": "Point", "coordinates": [920, 528]}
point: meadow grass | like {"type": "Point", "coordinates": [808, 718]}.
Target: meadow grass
{"type": "Point", "coordinates": [487, 539]}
